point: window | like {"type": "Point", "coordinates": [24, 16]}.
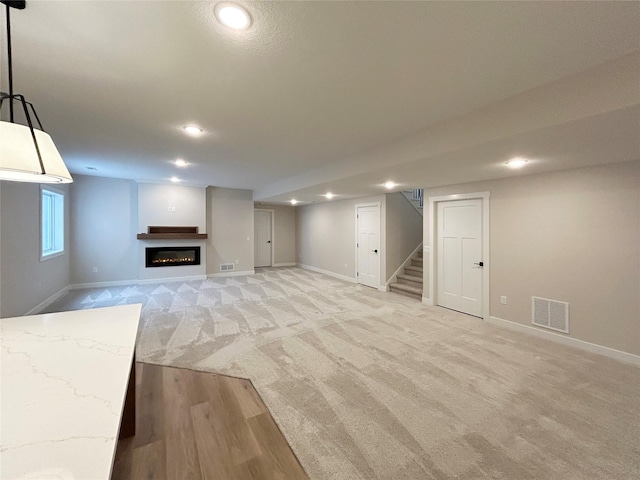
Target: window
{"type": "Point", "coordinates": [52, 223]}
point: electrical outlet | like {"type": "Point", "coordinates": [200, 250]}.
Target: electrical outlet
{"type": "Point", "coordinates": [172, 209]}
{"type": "Point", "coordinates": [95, 269]}
{"type": "Point", "coordinates": [503, 300]}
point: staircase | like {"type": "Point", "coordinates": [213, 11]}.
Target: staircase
{"type": "Point", "coordinates": [416, 198]}
{"type": "Point", "coordinates": [410, 281]}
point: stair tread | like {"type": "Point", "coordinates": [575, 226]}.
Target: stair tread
{"type": "Point", "coordinates": [413, 278]}
{"type": "Point", "coordinates": [406, 288]}
{"type": "Point", "coordinates": [413, 268]}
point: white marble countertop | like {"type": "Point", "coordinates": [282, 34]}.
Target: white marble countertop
{"type": "Point", "coordinates": [63, 381]}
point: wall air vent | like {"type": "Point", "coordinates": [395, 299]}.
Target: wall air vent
{"type": "Point", "coordinates": [550, 314]}
{"type": "Point", "coordinates": [227, 267]}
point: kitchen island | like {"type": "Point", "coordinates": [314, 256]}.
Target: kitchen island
{"type": "Point", "coordinates": [66, 382]}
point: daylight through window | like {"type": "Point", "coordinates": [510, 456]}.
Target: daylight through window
{"type": "Point", "coordinates": [52, 207]}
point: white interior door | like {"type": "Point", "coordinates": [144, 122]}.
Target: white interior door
{"type": "Point", "coordinates": [262, 238]}
{"type": "Point", "coordinates": [459, 255]}
{"type": "Point", "coordinates": [368, 245]}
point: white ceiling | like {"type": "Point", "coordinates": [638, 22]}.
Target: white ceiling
{"type": "Point", "coordinates": [331, 95]}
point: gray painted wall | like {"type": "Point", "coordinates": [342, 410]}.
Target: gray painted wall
{"type": "Point", "coordinates": [171, 205]}
{"type": "Point", "coordinates": [326, 232]}
{"type": "Point", "coordinates": [188, 206]}
{"type": "Point", "coordinates": [25, 281]}
{"type": "Point", "coordinates": [104, 216]}
{"type": "Point", "coordinates": [572, 236]}
{"type": "Point", "coordinates": [404, 231]}
{"type": "Point", "coordinates": [230, 227]}
{"type": "Point", "coordinates": [284, 232]}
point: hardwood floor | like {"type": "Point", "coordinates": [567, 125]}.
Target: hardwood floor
{"type": "Point", "coordinates": [197, 425]}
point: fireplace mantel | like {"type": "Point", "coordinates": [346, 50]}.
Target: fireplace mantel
{"type": "Point", "coordinates": [172, 233]}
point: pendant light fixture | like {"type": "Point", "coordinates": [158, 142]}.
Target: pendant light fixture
{"type": "Point", "coordinates": [27, 153]}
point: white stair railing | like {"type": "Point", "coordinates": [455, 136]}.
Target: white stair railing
{"type": "Point", "coordinates": [418, 194]}
{"type": "Point", "coordinates": [416, 198]}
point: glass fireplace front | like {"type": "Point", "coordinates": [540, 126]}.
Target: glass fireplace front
{"type": "Point", "coordinates": [172, 256]}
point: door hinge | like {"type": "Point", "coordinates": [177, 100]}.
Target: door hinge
{"type": "Point", "coordinates": [357, 245]}
{"type": "Point", "coordinates": [357, 274]}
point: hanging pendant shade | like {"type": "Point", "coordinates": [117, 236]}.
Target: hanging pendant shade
{"type": "Point", "coordinates": [27, 153]}
{"type": "Point", "coordinates": [19, 158]}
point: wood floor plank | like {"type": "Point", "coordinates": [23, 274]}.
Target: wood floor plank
{"type": "Point", "coordinates": [250, 402]}
{"type": "Point", "coordinates": [123, 462]}
{"type": "Point", "coordinates": [148, 462]}
{"type": "Point", "coordinates": [214, 447]}
{"type": "Point", "coordinates": [182, 456]}
{"type": "Point", "coordinates": [150, 419]}
{"type": "Point", "coordinates": [277, 455]}
{"type": "Point", "coordinates": [195, 383]}
{"type": "Point", "coordinates": [243, 445]}
{"type": "Point", "coordinates": [198, 425]}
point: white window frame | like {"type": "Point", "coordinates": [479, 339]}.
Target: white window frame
{"type": "Point", "coordinates": [57, 239]}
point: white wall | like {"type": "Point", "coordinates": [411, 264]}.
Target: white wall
{"type": "Point", "coordinates": [171, 205]}
{"type": "Point", "coordinates": [572, 236]}
{"type": "Point", "coordinates": [325, 236]}
{"type": "Point", "coordinates": [404, 231]}
{"type": "Point", "coordinates": [187, 204]}
{"type": "Point", "coordinates": [104, 216]}
{"type": "Point", "coordinates": [284, 233]}
{"type": "Point", "coordinates": [230, 227]}
{"type": "Point", "coordinates": [25, 281]}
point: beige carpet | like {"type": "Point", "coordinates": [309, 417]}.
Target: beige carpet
{"type": "Point", "coordinates": [370, 385]}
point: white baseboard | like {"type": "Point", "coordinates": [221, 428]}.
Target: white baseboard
{"type": "Point", "coordinates": [327, 272]}
{"type": "Point", "coordinates": [42, 305]}
{"type": "Point", "coordinates": [135, 281]}
{"type": "Point", "coordinates": [114, 283]}
{"type": "Point", "coordinates": [383, 288]}
{"type": "Point", "coordinates": [286, 264]}
{"type": "Point", "coordinates": [149, 281]}
{"type": "Point", "coordinates": [231, 274]}
{"type": "Point", "coordinates": [569, 341]}
{"type": "Point", "coordinates": [427, 301]}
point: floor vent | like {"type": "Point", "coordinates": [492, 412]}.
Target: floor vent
{"type": "Point", "coordinates": [550, 314]}
{"type": "Point", "coordinates": [227, 267]}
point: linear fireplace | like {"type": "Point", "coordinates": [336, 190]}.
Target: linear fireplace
{"type": "Point", "coordinates": [172, 256]}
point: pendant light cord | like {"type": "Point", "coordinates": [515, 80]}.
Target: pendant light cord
{"type": "Point", "coordinates": [10, 63]}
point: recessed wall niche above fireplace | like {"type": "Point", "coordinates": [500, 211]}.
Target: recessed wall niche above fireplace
{"type": "Point", "coordinates": [171, 256]}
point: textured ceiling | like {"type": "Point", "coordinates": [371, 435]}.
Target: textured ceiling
{"type": "Point", "coordinates": [311, 86]}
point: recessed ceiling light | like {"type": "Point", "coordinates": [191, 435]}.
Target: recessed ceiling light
{"type": "Point", "coordinates": [293, 201]}
{"type": "Point", "coordinates": [517, 162]}
{"type": "Point", "coordinates": [192, 130]}
{"type": "Point", "coordinates": [180, 163]}
{"type": "Point", "coordinates": [389, 185]}
{"type": "Point", "coordinates": [175, 179]}
{"type": "Point", "coordinates": [329, 195]}
{"type": "Point", "coordinates": [233, 15]}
